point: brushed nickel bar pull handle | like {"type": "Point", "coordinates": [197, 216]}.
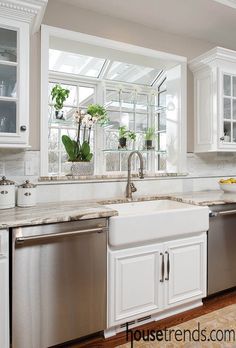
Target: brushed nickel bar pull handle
{"type": "Point", "coordinates": [162, 267]}
{"type": "Point", "coordinates": [227, 212]}
{"type": "Point", "coordinates": [168, 266]}
{"type": "Point", "coordinates": [22, 240]}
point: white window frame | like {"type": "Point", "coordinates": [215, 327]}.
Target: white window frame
{"type": "Point", "coordinates": [177, 82]}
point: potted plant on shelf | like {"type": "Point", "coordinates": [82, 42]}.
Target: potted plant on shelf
{"type": "Point", "coordinates": [125, 134]}
{"type": "Point", "coordinates": [149, 137]}
{"type": "Point", "coordinates": [78, 150]}
{"type": "Point", "coordinates": [59, 94]}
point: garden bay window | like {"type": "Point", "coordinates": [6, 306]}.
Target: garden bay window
{"type": "Point", "coordinates": [137, 100]}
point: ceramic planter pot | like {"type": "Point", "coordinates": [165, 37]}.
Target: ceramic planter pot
{"type": "Point", "coordinates": [82, 168]}
{"type": "Point", "coordinates": [59, 115]}
{"type": "Point", "coordinates": [122, 142]}
{"type": "Point", "coordinates": [148, 144]}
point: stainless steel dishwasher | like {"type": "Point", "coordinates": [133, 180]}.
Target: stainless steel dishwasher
{"type": "Point", "coordinates": [58, 282]}
{"type": "Point", "coordinates": [221, 248]}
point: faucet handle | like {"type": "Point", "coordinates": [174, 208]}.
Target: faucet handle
{"type": "Point", "coordinates": [140, 173]}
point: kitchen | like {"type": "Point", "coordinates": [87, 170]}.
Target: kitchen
{"type": "Point", "coordinates": [113, 119]}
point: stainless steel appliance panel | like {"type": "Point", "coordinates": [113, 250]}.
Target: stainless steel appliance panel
{"type": "Point", "coordinates": [222, 251]}
{"type": "Point", "coordinates": [59, 282]}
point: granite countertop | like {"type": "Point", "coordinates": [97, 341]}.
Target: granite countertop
{"type": "Point", "coordinates": [208, 197]}
{"type": "Point", "coordinates": [46, 213]}
{"type": "Point", "coordinates": [53, 212]}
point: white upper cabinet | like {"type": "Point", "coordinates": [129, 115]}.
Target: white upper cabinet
{"type": "Point", "coordinates": [16, 22]}
{"type": "Point", "coordinates": [215, 100]}
{"type": "Point", "coordinates": [14, 83]}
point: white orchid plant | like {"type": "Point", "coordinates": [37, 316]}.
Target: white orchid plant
{"type": "Point", "coordinates": [79, 150]}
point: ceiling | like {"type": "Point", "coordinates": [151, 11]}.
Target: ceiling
{"type": "Point", "coordinates": [209, 20]}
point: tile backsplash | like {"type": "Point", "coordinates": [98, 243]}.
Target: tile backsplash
{"type": "Point", "coordinates": [204, 172]}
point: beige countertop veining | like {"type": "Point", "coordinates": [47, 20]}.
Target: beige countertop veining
{"type": "Point", "coordinates": [53, 212]}
{"type": "Point", "coordinates": [45, 213]}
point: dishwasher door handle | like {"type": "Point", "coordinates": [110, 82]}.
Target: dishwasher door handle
{"type": "Point", "coordinates": [226, 212]}
{"type": "Point", "coordinates": [45, 237]}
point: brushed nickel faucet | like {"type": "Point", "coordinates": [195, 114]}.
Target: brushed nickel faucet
{"type": "Point", "coordinates": [130, 188]}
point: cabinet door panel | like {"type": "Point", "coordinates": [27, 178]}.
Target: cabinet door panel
{"type": "Point", "coordinates": [187, 277]}
{"type": "Point", "coordinates": [136, 288]}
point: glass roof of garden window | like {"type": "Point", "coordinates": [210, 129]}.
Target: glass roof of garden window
{"type": "Point", "coordinates": [100, 68]}
{"type": "Point", "coordinates": [132, 73]}
{"type": "Point", "coordinates": [73, 63]}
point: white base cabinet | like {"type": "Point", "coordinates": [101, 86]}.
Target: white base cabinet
{"type": "Point", "coordinates": [4, 289]}
{"type": "Point", "coordinates": [154, 278]}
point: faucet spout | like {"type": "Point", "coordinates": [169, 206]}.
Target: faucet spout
{"type": "Point", "coordinates": [130, 188]}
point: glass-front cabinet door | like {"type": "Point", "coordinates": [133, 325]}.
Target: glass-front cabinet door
{"type": "Point", "coordinates": [14, 61]}
{"type": "Point", "coordinates": [228, 126]}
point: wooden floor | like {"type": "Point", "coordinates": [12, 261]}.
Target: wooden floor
{"type": "Point", "coordinates": [210, 304]}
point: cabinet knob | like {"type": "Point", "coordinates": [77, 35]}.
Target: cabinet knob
{"type": "Point", "coordinates": [23, 128]}
{"type": "Point", "coordinates": [222, 138]}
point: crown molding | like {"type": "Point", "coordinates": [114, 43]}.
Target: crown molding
{"type": "Point", "coordinates": [29, 11]}
{"type": "Point", "coordinates": [210, 57]}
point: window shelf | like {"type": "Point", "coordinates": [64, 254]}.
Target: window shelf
{"type": "Point", "coordinates": [129, 150]}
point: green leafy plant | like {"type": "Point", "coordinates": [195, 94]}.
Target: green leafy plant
{"type": "Point", "coordinates": [150, 133]}
{"type": "Point", "coordinates": [99, 112]}
{"type": "Point", "coordinates": [127, 134]}
{"type": "Point", "coordinates": [75, 151]}
{"type": "Point", "coordinates": [59, 94]}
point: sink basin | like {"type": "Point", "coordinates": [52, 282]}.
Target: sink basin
{"type": "Point", "coordinates": [152, 220]}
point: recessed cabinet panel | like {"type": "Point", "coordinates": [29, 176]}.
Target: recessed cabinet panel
{"type": "Point", "coordinates": [204, 108]}
{"type": "Point", "coordinates": [7, 117]}
{"type": "Point", "coordinates": [187, 271]}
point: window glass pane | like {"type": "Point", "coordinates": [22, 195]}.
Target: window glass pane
{"type": "Point", "coordinates": [72, 98]}
{"type": "Point", "coordinates": [112, 99]}
{"type": "Point", "coordinates": [86, 96]}
{"type": "Point", "coordinates": [73, 63]}
{"type": "Point", "coordinates": [142, 102]}
{"type": "Point", "coordinates": [8, 45]}
{"type": "Point", "coordinates": [127, 101]}
{"type": "Point", "coordinates": [141, 121]}
{"type": "Point", "coordinates": [112, 161]}
{"type": "Point", "coordinates": [53, 138]}
{"type": "Point", "coordinates": [111, 140]}
{"type": "Point", "coordinates": [132, 73]}
{"type": "Point", "coordinates": [161, 162]}
{"type": "Point", "coordinates": [227, 108]}
{"type": "Point", "coordinates": [8, 81]}
{"type": "Point", "coordinates": [227, 85]}
{"type": "Point", "coordinates": [53, 162]}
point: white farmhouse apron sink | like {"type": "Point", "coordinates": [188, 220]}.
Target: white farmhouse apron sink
{"type": "Point", "coordinates": [152, 220]}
